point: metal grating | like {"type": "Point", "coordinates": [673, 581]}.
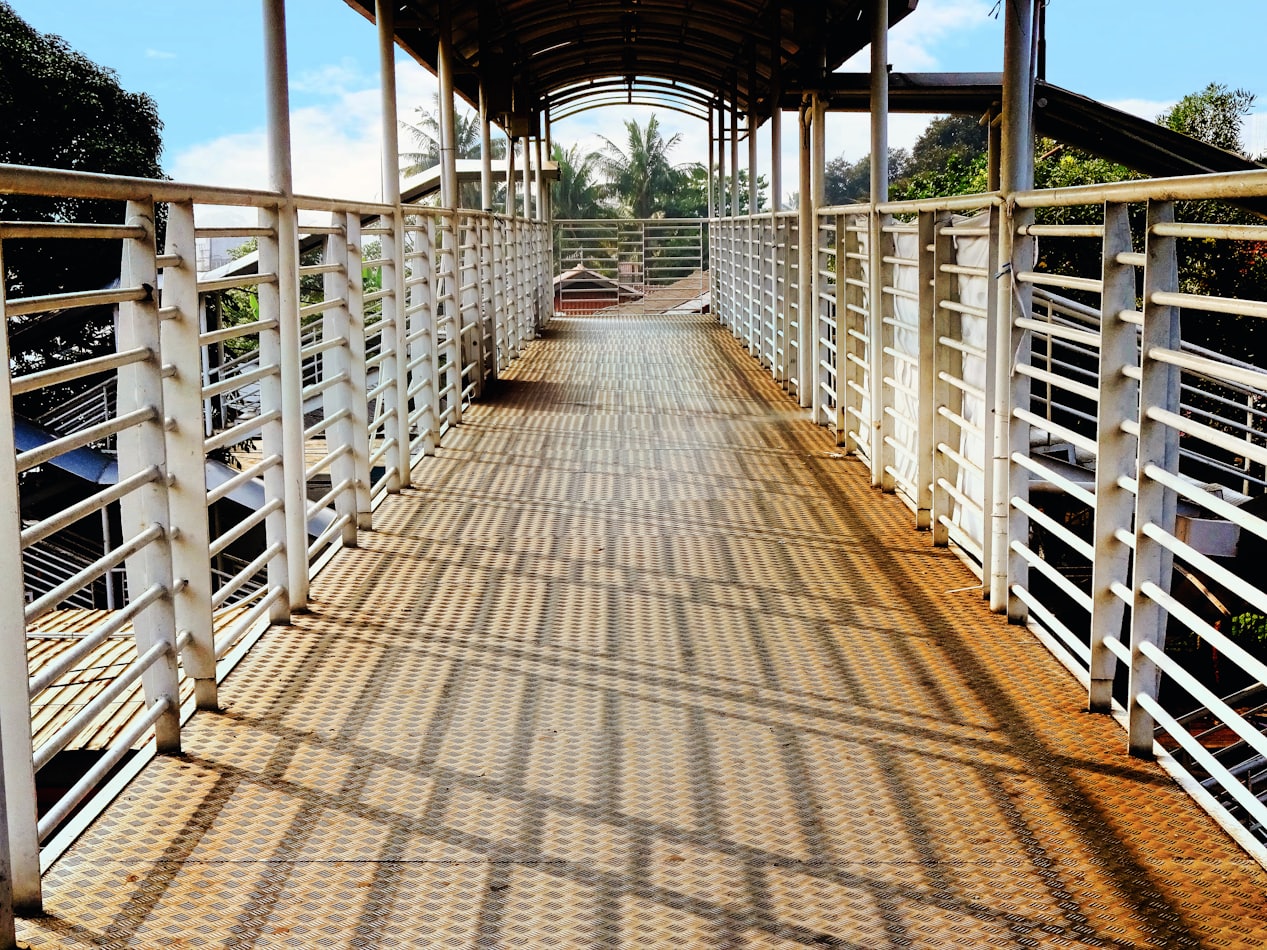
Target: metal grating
{"type": "Point", "coordinates": [641, 662]}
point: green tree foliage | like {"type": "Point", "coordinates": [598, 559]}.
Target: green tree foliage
{"type": "Point", "coordinates": [578, 193]}
{"type": "Point", "coordinates": [425, 133]}
{"type": "Point", "coordinates": [846, 182]}
{"type": "Point", "coordinates": [60, 110]}
{"type": "Point", "coordinates": [640, 175]}
{"type": "Point", "coordinates": [1215, 115]}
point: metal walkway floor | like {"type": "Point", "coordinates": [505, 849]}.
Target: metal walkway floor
{"type": "Point", "coordinates": [642, 663]}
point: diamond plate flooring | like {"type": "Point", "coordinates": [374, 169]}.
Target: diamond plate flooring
{"type": "Point", "coordinates": [641, 662]}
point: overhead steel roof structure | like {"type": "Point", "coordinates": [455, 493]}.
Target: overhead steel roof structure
{"type": "Point", "coordinates": [533, 54]}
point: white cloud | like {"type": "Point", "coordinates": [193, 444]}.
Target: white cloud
{"type": "Point", "coordinates": [335, 143]}
{"type": "Point", "coordinates": [159, 54]}
{"type": "Point", "coordinates": [1148, 109]}
{"type": "Point", "coordinates": [913, 43]}
{"type": "Point", "coordinates": [1256, 134]}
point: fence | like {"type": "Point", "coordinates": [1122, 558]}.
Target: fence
{"type": "Point", "coordinates": [1090, 436]}
{"type": "Point", "coordinates": [605, 262]}
{"type": "Point", "coordinates": [317, 372]}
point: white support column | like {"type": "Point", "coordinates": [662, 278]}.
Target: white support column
{"type": "Point", "coordinates": [448, 135]}
{"type": "Point", "coordinates": [526, 147]}
{"type": "Point", "coordinates": [338, 400]}
{"type": "Point", "coordinates": [511, 198]}
{"type": "Point", "coordinates": [948, 364]}
{"type": "Point", "coordinates": [722, 186]}
{"type": "Point", "coordinates": [358, 409]}
{"type": "Point", "coordinates": [778, 314]}
{"type": "Point", "coordinates": [711, 166]}
{"type": "Point", "coordinates": [8, 934]}
{"type": "Point", "coordinates": [928, 226]}
{"type": "Point", "coordinates": [756, 318]}
{"type": "Point", "coordinates": [734, 156]}
{"type": "Point", "coordinates": [186, 456]}
{"type": "Point", "coordinates": [805, 348]}
{"type": "Point", "coordinates": [17, 777]}
{"type": "Point", "coordinates": [1011, 345]}
{"type": "Point", "coordinates": [818, 165]}
{"type": "Point", "coordinates": [539, 180]}
{"type": "Point", "coordinates": [272, 433]}
{"type": "Point", "coordinates": [141, 447]}
{"type": "Point", "coordinates": [876, 240]}
{"type": "Point", "coordinates": [1118, 404]}
{"type": "Point", "coordinates": [486, 154]}
{"type": "Point", "coordinates": [1154, 503]}
{"type": "Point", "coordinates": [281, 181]}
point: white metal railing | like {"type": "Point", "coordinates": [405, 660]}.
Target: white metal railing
{"type": "Point", "coordinates": [607, 261]}
{"type": "Point", "coordinates": [1103, 475]}
{"type": "Point", "coordinates": [248, 444]}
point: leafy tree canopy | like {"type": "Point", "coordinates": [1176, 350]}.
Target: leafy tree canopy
{"type": "Point", "coordinates": [1215, 115]}
{"type": "Point", "coordinates": [58, 109]}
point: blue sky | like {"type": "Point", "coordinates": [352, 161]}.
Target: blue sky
{"type": "Point", "coordinates": [202, 64]}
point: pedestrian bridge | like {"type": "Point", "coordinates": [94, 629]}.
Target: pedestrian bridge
{"type": "Point", "coordinates": [884, 575]}
{"type": "Point", "coordinates": [641, 660]}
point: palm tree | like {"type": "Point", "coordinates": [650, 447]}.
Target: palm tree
{"type": "Point", "coordinates": [640, 175]}
{"type": "Point", "coordinates": [577, 193]}
{"type": "Point", "coordinates": [426, 136]}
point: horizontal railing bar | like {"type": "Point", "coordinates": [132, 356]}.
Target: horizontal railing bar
{"type": "Point", "coordinates": [212, 337]}
{"type": "Point", "coordinates": [117, 620]}
{"type": "Point", "coordinates": [231, 587]}
{"type": "Point", "coordinates": [120, 683]}
{"type": "Point", "coordinates": [1230, 305]}
{"type": "Point", "coordinates": [1079, 597]}
{"type": "Point", "coordinates": [239, 381]}
{"type": "Point", "coordinates": [223, 491]}
{"type": "Point", "coordinates": [108, 562]}
{"type": "Point", "coordinates": [77, 440]}
{"type": "Point", "coordinates": [88, 367]}
{"type": "Point", "coordinates": [102, 767]}
{"type": "Point", "coordinates": [22, 306]}
{"type": "Point", "coordinates": [1053, 624]}
{"type": "Point", "coordinates": [93, 503]}
{"type": "Point", "coordinates": [224, 641]}
{"type": "Point", "coordinates": [240, 529]}
{"type": "Point", "coordinates": [23, 230]}
{"type": "Point", "coordinates": [237, 282]}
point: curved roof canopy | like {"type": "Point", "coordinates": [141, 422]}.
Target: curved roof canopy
{"type": "Point", "coordinates": [531, 53]}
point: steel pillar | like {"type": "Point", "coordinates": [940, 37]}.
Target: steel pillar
{"type": "Point", "coordinates": [1011, 346]}
{"type": "Point", "coordinates": [486, 154]}
{"type": "Point", "coordinates": [397, 460]}
{"type": "Point", "coordinates": [281, 180]}
{"type": "Point", "coordinates": [875, 241]}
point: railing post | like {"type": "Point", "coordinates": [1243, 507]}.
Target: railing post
{"type": "Point", "coordinates": [272, 434]}
{"type": "Point", "coordinates": [1158, 445]}
{"type": "Point", "coordinates": [806, 331]}
{"type": "Point", "coordinates": [186, 455]}
{"type": "Point", "coordinates": [8, 935]}
{"type": "Point", "coordinates": [947, 364]}
{"type": "Point", "coordinates": [925, 447]}
{"type": "Point", "coordinates": [420, 323]}
{"type": "Point", "coordinates": [358, 384]}
{"type": "Point", "coordinates": [879, 362]}
{"type": "Point", "coordinates": [342, 400]}
{"type": "Point", "coordinates": [140, 447]}
{"type": "Point", "coordinates": [995, 313]}
{"type": "Point", "coordinates": [17, 766]}
{"type": "Point", "coordinates": [1117, 403]}
{"type": "Point", "coordinates": [488, 297]}
{"type": "Point", "coordinates": [449, 301]}
{"type": "Point", "coordinates": [1011, 434]}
